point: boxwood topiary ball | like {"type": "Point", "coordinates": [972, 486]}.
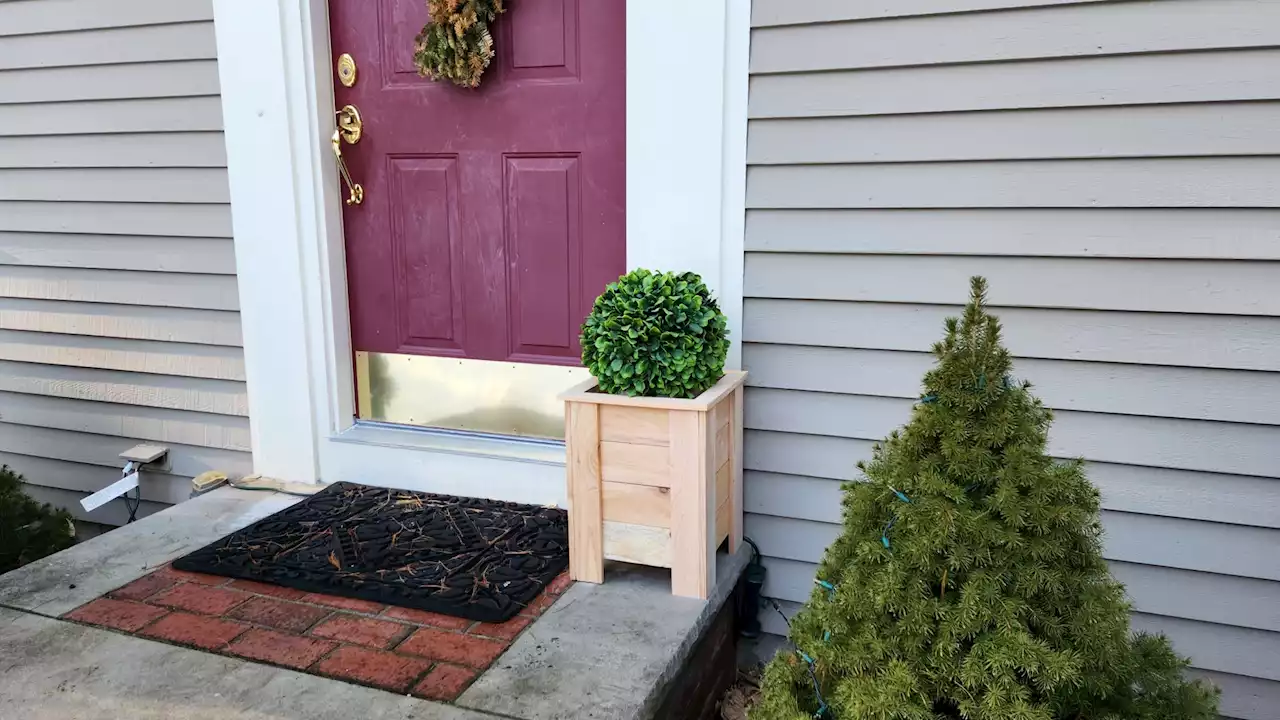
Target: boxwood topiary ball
{"type": "Point", "coordinates": [657, 335]}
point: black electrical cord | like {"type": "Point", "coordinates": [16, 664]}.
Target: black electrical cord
{"type": "Point", "coordinates": [133, 506]}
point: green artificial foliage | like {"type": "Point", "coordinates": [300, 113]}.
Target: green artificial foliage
{"type": "Point", "coordinates": [657, 335]}
{"type": "Point", "coordinates": [455, 44]}
{"type": "Point", "coordinates": [968, 581]}
{"type": "Point", "coordinates": [28, 530]}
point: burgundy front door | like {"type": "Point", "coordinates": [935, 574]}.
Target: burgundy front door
{"type": "Point", "coordinates": [491, 217]}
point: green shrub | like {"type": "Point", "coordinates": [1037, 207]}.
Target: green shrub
{"type": "Point", "coordinates": [657, 335]}
{"type": "Point", "coordinates": [28, 530]}
{"type": "Point", "coordinates": [968, 581]}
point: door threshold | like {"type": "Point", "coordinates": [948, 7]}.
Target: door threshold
{"type": "Point", "coordinates": [456, 442]}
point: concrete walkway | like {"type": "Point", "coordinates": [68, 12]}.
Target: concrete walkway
{"type": "Point", "coordinates": [602, 651]}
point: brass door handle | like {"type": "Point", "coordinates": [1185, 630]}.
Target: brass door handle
{"type": "Point", "coordinates": [350, 128]}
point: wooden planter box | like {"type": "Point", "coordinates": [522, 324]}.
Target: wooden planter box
{"type": "Point", "coordinates": [654, 481]}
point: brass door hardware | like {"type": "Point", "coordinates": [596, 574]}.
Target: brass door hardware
{"type": "Point", "coordinates": [350, 128]}
{"type": "Point", "coordinates": [346, 70]}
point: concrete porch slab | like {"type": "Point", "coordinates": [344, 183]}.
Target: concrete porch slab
{"type": "Point", "coordinates": [65, 581]}
{"type": "Point", "coordinates": [604, 651]}
{"type": "Point", "coordinates": [600, 651]}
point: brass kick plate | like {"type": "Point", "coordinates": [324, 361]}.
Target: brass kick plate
{"type": "Point", "coordinates": [346, 70]}
{"type": "Point", "coordinates": [500, 398]}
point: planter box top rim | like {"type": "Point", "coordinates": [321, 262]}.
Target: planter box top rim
{"type": "Point", "coordinates": [583, 392]}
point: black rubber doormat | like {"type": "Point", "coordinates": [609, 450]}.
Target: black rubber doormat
{"type": "Point", "coordinates": [475, 559]}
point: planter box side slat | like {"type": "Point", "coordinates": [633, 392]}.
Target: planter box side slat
{"type": "Point", "coordinates": [635, 464]}
{"type": "Point", "coordinates": [586, 524]}
{"type": "Point", "coordinates": [637, 504]}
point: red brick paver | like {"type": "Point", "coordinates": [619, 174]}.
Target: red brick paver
{"type": "Point", "coordinates": [361, 630]}
{"type": "Point", "coordinates": [560, 584]}
{"type": "Point", "coordinates": [422, 617]}
{"type": "Point", "coordinates": [476, 652]}
{"type": "Point", "coordinates": [198, 630]}
{"type": "Point", "coordinates": [342, 603]}
{"type": "Point", "coordinates": [445, 682]}
{"type": "Point", "coordinates": [193, 577]}
{"type": "Point", "coordinates": [540, 604]}
{"type": "Point", "coordinates": [403, 650]}
{"type": "Point", "coordinates": [265, 589]}
{"type": "Point", "coordinates": [118, 614]}
{"type": "Point", "coordinates": [279, 614]}
{"type": "Point", "coordinates": [505, 630]}
{"type": "Point", "coordinates": [144, 587]}
{"type": "Point", "coordinates": [281, 649]}
{"type": "Point", "coordinates": [373, 667]}
{"type": "Point", "coordinates": [200, 599]}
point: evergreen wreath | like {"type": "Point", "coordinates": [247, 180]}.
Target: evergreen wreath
{"type": "Point", "coordinates": [455, 44]}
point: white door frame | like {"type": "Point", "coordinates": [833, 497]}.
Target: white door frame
{"type": "Point", "coordinates": [686, 182]}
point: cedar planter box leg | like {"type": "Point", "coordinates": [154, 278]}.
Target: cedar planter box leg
{"type": "Point", "coordinates": [654, 481]}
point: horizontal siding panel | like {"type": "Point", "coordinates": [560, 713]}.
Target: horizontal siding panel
{"type": "Point", "coordinates": [1226, 395]}
{"type": "Point", "coordinates": [1243, 697]}
{"type": "Point", "coordinates": [209, 292]}
{"type": "Point", "coordinates": [1235, 288]}
{"type": "Point", "coordinates": [104, 451]}
{"type": "Point", "coordinates": [221, 397]}
{"type": "Point", "coordinates": [1145, 539]}
{"type": "Point", "coordinates": [1122, 80]}
{"type": "Point", "coordinates": [110, 46]}
{"type": "Point", "coordinates": [1216, 497]}
{"type": "Point", "coordinates": [771, 618]}
{"type": "Point", "coordinates": [186, 114]}
{"type": "Point", "coordinates": [1209, 233]}
{"type": "Point", "coordinates": [77, 477]}
{"type": "Point", "coordinates": [183, 325]}
{"type": "Point", "coordinates": [205, 149]}
{"type": "Point", "coordinates": [1231, 499]}
{"type": "Point", "coordinates": [1208, 547]}
{"type": "Point", "coordinates": [794, 496]}
{"type": "Point", "coordinates": [1221, 648]}
{"type": "Point", "coordinates": [1223, 599]}
{"type": "Point", "coordinates": [113, 513]}
{"type": "Point", "coordinates": [119, 252]}
{"type": "Point", "coordinates": [1180, 182]}
{"type": "Point", "coordinates": [1066, 31]}
{"type": "Point", "coordinates": [788, 580]}
{"type": "Point", "coordinates": [1225, 448]}
{"type": "Point", "coordinates": [1231, 342]}
{"type": "Point", "coordinates": [109, 82]}
{"type": "Point", "coordinates": [164, 426]}
{"type": "Point", "coordinates": [171, 219]}
{"type": "Point", "coordinates": [815, 455]}
{"type": "Point", "coordinates": [1154, 131]}
{"type": "Point", "coordinates": [145, 356]}
{"type": "Point", "coordinates": [49, 16]}
{"type": "Point", "coordinates": [162, 185]}
{"type": "Point", "coordinates": [766, 13]}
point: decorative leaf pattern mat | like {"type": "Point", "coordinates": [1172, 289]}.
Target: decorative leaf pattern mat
{"type": "Point", "coordinates": [476, 559]}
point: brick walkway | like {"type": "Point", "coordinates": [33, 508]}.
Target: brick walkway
{"type": "Point", "coordinates": [425, 654]}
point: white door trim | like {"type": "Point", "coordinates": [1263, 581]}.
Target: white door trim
{"type": "Point", "coordinates": [686, 171]}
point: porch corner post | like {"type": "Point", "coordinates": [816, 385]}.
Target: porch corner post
{"type": "Point", "coordinates": [255, 55]}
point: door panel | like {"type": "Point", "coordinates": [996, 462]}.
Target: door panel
{"type": "Point", "coordinates": [544, 244]}
{"type": "Point", "coordinates": [492, 217]}
{"type": "Point", "coordinates": [427, 251]}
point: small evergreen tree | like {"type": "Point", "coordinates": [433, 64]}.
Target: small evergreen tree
{"type": "Point", "coordinates": [28, 530]}
{"type": "Point", "coordinates": [969, 581]}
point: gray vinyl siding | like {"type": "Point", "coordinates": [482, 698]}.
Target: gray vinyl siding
{"type": "Point", "coordinates": [119, 313]}
{"type": "Point", "coordinates": [1111, 168]}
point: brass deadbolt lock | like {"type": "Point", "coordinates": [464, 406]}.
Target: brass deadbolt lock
{"type": "Point", "coordinates": [346, 70]}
